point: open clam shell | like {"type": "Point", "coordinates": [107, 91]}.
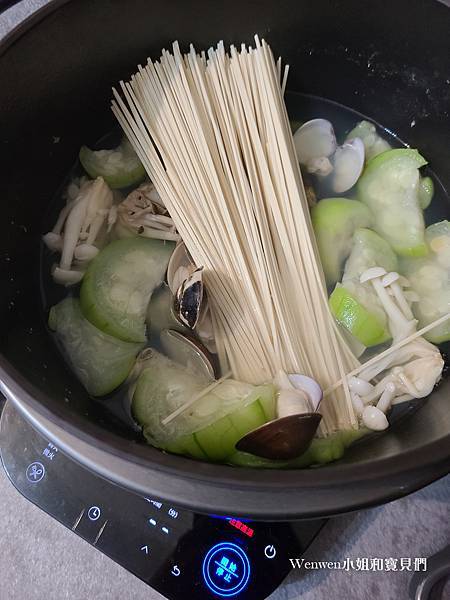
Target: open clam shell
{"type": "Point", "coordinates": [189, 352]}
{"type": "Point", "coordinates": [188, 300]}
{"type": "Point", "coordinates": [289, 435]}
{"type": "Point", "coordinates": [348, 163]}
{"type": "Point", "coordinates": [314, 140]}
{"type": "Point", "coordinates": [179, 268]}
{"type": "Point", "coordinates": [281, 439]}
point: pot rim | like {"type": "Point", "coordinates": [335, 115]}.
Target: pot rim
{"type": "Point", "coordinates": [209, 487]}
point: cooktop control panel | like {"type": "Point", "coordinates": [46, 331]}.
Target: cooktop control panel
{"type": "Point", "coordinates": [179, 553]}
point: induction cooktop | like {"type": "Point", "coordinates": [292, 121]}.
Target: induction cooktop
{"type": "Point", "coordinates": [179, 553]}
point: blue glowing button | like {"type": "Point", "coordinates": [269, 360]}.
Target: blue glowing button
{"type": "Point", "coordinates": [226, 569]}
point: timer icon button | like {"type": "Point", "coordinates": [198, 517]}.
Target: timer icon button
{"type": "Point", "coordinates": [270, 551]}
{"type": "Point", "coordinates": [226, 569]}
{"type": "Point", "coordinates": [94, 513]}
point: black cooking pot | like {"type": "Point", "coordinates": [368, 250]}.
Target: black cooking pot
{"type": "Point", "coordinates": [388, 60]}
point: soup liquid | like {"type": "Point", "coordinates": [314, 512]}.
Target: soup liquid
{"type": "Point", "coordinates": [301, 108]}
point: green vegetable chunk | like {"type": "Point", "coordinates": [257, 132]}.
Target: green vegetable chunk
{"type": "Point", "coordinates": [373, 143]}
{"type": "Point", "coordinates": [119, 282]}
{"type": "Point", "coordinates": [212, 425]}
{"type": "Point", "coordinates": [160, 314]}
{"type": "Point", "coordinates": [119, 167]}
{"type": "Point", "coordinates": [430, 279]}
{"type": "Point", "coordinates": [426, 192]}
{"type": "Point", "coordinates": [365, 324]}
{"type": "Point", "coordinates": [355, 305]}
{"type": "Point", "coordinates": [334, 221]}
{"type": "Point", "coordinates": [368, 250]}
{"type": "Point", "coordinates": [100, 361]}
{"type": "Point", "coordinates": [390, 186]}
{"type": "Point", "coordinates": [320, 452]}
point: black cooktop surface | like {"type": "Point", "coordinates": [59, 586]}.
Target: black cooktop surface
{"type": "Point", "coordinates": [177, 552]}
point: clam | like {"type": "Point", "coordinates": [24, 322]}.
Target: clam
{"type": "Point", "coordinates": [291, 433]}
{"type": "Point", "coordinates": [185, 281]}
{"type": "Point", "coordinates": [281, 439]}
{"type": "Point", "coordinates": [314, 142]}
{"type": "Point", "coordinates": [179, 268]}
{"type": "Point", "coordinates": [187, 303]}
{"type": "Point", "coordinates": [348, 161]}
{"type": "Point", "coordinates": [189, 352]}
{"type": "Point", "coordinates": [205, 330]}
{"type": "Point", "coordinates": [319, 154]}
{"type": "Point", "coordinates": [190, 306]}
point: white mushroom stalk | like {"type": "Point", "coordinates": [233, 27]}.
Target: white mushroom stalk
{"type": "Point", "coordinates": [410, 372]}
{"type": "Point", "coordinates": [418, 348]}
{"type": "Point", "coordinates": [77, 230]}
{"type": "Point", "coordinates": [401, 320]}
{"type": "Point", "coordinates": [143, 213]}
{"type": "Point", "coordinates": [416, 378]}
{"type": "Point", "coordinates": [391, 280]}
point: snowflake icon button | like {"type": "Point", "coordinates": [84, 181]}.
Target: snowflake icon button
{"type": "Point", "coordinates": [35, 472]}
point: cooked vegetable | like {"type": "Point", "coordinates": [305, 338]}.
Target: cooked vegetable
{"type": "Point", "coordinates": [119, 167]}
{"type": "Point", "coordinates": [368, 250]}
{"type": "Point", "coordinates": [401, 320]}
{"type": "Point", "coordinates": [430, 279]}
{"type": "Point", "coordinates": [320, 452]}
{"type": "Point", "coordinates": [119, 283]}
{"type": "Point", "coordinates": [159, 312]}
{"type": "Point", "coordinates": [426, 192]}
{"type": "Point", "coordinates": [77, 230]}
{"type": "Point", "coordinates": [212, 425]}
{"type": "Point", "coordinates": [374, 144]}
{"type": "Point", "coordinates": [389, 186]}
{"type": "Point", "coordinates": [360, 313]}
{"type": "Point", "coordinates": [334, 221]}
{"type": "Point", "coordinates": [100, 361]}
{"type": "Point", "coordinates": [354, 304]}
{"type": "Point", "coordinates": [143, 213]}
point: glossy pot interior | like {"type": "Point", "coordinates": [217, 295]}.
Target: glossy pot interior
{"type": "Point", "coordinates": [390, 62]}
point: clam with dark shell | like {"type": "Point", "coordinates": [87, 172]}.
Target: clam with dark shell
{"type": "Point", "coordinates": [291, 433]}
{"type": "Point", "coordinates": [190, 304]}
{"type": "Point", "coordinates": [187, 303]}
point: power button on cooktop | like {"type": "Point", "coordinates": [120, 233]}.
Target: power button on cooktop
{"type": "Point", "coordinates": [270, 551]}
{"type": "Point", "coordinates": [226, 569]}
